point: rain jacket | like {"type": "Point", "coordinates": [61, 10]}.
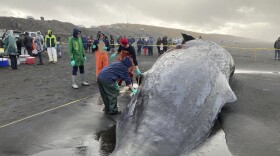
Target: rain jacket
{"type": "Point", "coordinates": [76, 49]}
{"type": "Point", "coordinates": [50, 40]}
{"type": "Point", "coordinates": [116, 71]}
{"type": "Point", "coordinates": [39, 43]}
{"type": "Point", "coordinates": [10, 46]}
{"type": "Point", "coordinates": [277, 44]}
{"type": "Point", "coordinates": [27, 40]}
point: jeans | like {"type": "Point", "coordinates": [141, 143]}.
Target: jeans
{"type": "Point", "coordinates": [277, 52]}
{"type": "Point", "coordinates": [75, 70]}
{"type": "Point", "coordinates": [139, 50]}
{"type": "Point", "coordinates": [13, 59]}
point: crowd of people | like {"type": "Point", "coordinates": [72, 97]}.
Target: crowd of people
{"type": "Point", "coordinates": [27, 45]}
{"type": "Point", "coordinates": [148, 44]}
{"type": "Point", "coordinates": [143, 44]}
{"type": "Point", "coordinates": [109, 77]}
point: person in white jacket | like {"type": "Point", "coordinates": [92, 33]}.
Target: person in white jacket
{"type": "Point", "coordinates": [39, 41]}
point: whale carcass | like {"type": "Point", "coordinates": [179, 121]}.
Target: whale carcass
{"type": "Point", "coordinates": [178, 101]}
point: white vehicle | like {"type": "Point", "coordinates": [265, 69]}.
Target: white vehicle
{"type": "Point", "coordinates": [32, 34]}
{"type": "Point", "coordinates": [30, 17]}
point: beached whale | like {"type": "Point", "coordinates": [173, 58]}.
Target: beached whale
{"type": "Point", "coordinates": [178, 101]}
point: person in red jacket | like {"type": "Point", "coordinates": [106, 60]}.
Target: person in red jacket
{"type": "Point", "coordinates": [127, 50]}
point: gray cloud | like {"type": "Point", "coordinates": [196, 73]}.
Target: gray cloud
{"type": "Point", "coordinates": [248, 18]}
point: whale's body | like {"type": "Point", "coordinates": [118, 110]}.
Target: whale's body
{"type": "Point", "coordinates": [178, 101]}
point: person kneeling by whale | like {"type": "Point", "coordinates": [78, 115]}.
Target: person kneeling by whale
{"type": "Point", "coordinates": [107, 83]}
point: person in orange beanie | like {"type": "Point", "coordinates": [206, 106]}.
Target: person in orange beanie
{"type": "Point", "coordinates": [126, 49]}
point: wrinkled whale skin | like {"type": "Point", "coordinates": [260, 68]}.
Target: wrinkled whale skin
{"type": "Point", "coordinates": [178, 101]}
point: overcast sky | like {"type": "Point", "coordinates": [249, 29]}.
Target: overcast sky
{"type": "Point", "coordinates": [257, 19]}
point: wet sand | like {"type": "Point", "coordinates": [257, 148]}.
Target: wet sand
{"type": "Point", "coordinates": [250, 125]}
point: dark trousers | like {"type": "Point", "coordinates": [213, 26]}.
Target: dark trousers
{"type": "Point", "coordinates": [150, 51]}
{"type": "Point", "coordinates": [277, 54]}
{"type": "Point", "coordinates": [40, 57]}
{"type": "Point", "coordinates": [164, 48]}
{"type": "Point", "coordinates": [13, 59]}
{"type": "Point", "coordinates": [109, 96]}
{"type": "Point", "coordinates": [75, 70]}
{"type": "Point", "coordinates": [139, 50]}
{"type": "Point", "coordinates": [158, 49]}
{"type": "Point", "coordinates": [29, 50]}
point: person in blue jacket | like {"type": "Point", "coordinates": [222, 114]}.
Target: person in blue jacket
{"type": "Point", "coordinates": [107, 83]}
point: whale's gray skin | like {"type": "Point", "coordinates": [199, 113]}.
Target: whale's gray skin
{"type": "Point", "coordinates": [178, 102]}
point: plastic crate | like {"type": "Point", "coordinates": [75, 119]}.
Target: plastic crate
{"type": "Point", "coordinates": [4, 62]}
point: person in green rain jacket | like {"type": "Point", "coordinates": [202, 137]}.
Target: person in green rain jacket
{"type": "Point", "coordinates": [10, 48]}
{"type": "Point", "coordinates": [77, 57]}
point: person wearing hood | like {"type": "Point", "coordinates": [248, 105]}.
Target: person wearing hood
{"type": "Point", "coordinates": [101, 48]}
{"type": "Point", "coordinates": [39, 41]}
{"type": "Point", "coordinates": [108, 87]}
{"type": "Point", "coordinates": [77, 56]}
{"type": "Point", "coordinates": [159, 46]}
{"type": "Point", "coordinates": [165, 43]}
{"type": "Point", "coordinates": [277, 49]}
{"type": "Point", "coordinates": [28, 43]}
{"type": "Point", "coordinates": [59, 47]}
{"type": "Point", "coordinates": [50, 43]}
{"type": "Point", "coordinates": [22, 46]}
{"type": "Point", "coordinates": [10, 48]}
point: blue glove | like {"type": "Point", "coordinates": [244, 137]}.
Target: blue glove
{"type": "Point", "coordinates": [113, 55]}
{"type": "Point", "coordinates": [85, 58]}
{"type": "Point", "coordinates": [117, 86]}
{"type": "Point", "coordinates": [134, 91]}
{"type": "Point", "coordinates": [138, 72]}
{"type": "Point", "coordinates": [55, 47]}
{"type": "Point", "coordinates": [93, 46]}
{"type": "Point", "coordinates": [104, 48]}
{"type": "Point", "coordinates": [72, 63]}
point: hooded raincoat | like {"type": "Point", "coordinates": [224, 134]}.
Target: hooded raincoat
{"type": "Point", "coordinates": [10, 46]}
{"type": "Point", "coordinates": [76, 49]}
{"type": "Point", "coordinates": [50, 39]}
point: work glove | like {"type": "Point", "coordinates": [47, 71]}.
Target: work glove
{"type": "Point", "coordinates": [113, 55]}
{"type": "Point", "coordinates": [85, 59]}
{"type": "Point", "coordinates": [72, 63]}
{"type": "Point", "coordinates": [117, 86]}
{"type": "Point", "coordinates": [104, 48]}
{"type": "Point", "coordinates": [134, 91]}
{"type": "Point", "coordinates": [138, 72]}
{"type": "Point", "coordinates": [93, 46]}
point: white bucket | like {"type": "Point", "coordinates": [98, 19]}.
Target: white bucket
{"type": "Point", "coordinates": [22, 58]}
